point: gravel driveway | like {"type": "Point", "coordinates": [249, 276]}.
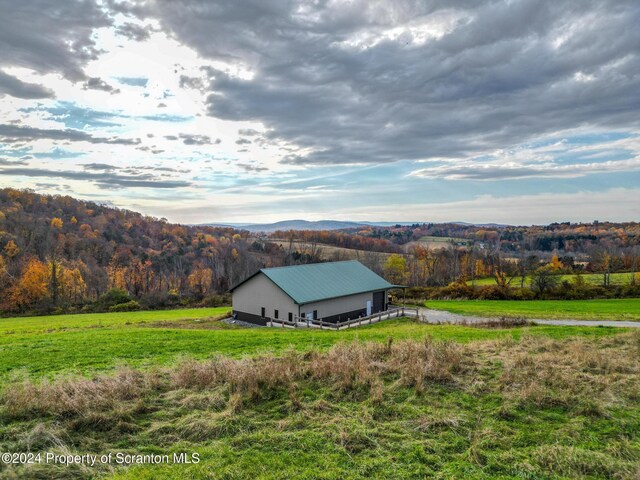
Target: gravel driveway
{"type": "Point", "coordinates": [442, 316]}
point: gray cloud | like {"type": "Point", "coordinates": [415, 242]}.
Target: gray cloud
{"type": "Point", "coordinates": [15, 87]}
{"type": "Point", "coordinates": [192, 82]}
{"type": "Point", "coordinates": [493, 171]}
{"type": "Point", "coordinates": [104, 180]}
{"type": "Point", "coordinates": [247, 167]}
{"type": "Point", "coordinates": [14, 133]}
{"type": "Point", "coordinates": [248, 132]}
{"type": "Point", "coordinates": [374, 82]}
{"type": "Point", "coordinates": [95, 83]}
{"type": "Point", "coordinates": [135, 32]}
{"type": "Point", "coordinates": [99, 166]}
{"type": "Point", "coordinates": [50, 37]}
{"type": "Point", "coordinates": [10, 162]}
{"type": "Point", "coordinates": [192, 139]}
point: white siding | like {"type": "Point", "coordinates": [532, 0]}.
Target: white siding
{"type": "Point", "coordinates": [260, 292]}
{"type": "Point", "coordinates": [337, 306]}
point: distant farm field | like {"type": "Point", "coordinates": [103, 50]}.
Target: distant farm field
{"type": "Point", "coordinates": [331, 251]}
{"type": "Point", "coordinates": [611, 309]}
{"type": "Point", "coordinates": [432, 239]}
{"type": "Point", "coordinates": [589, 278]}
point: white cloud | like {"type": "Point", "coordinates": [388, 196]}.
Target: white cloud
{"type": "Point", "coordinates": [615, 205]}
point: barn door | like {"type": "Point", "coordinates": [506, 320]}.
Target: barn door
{"type": "Point", "coordinates": [378, 301]}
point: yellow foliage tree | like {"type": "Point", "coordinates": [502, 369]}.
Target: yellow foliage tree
{"type": "Point", "coordinates": [72, 286]}
{"type": "Point", "coordinates": [395, 269]}
{"type": "Point", "coordinates": [3, 270]}
{"type": "Point", "coordinates": [555, 263]}
{"type": "Point", "coordinates": [31, 288]}
{"type": "Point", "coordinates": [56, 223]}
{"type": "Point", "coordinates": [200, 280]}
{"type": "Point", "coordinates": [11, 249]}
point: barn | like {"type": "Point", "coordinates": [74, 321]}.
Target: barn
{"type": "Point", "coordinates": [332, 292]}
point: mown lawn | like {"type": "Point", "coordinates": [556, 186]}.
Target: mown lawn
{"type": "Point", "coordinates": [613, 309]}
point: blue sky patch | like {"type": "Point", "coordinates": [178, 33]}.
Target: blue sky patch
{"type": "Point", "coordinates": [133, 81]}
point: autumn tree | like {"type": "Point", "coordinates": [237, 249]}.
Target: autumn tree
{"type": "Point", "coordinates": [31, 287]}
{"type": "Point", "coordinates": [200, 281]}
{"type": "Point", "coordinates": [555, 263]}
{"type": "Point", "coordinates": [56, 223]}
{"type": "Point", "coordinates": [395, 269]}
{"type": "Point", "coordinates": [544, 280]}
{"type": "Point", "coordinates": [72, 285]}
{"type": "Point", "coordinates": [11, 250]}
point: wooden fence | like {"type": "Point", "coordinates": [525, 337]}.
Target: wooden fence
{"type": "Point", "coordinates": [301, 322]}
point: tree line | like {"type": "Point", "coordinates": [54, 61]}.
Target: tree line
{"type": "Point", "coordinates": [58, 253]}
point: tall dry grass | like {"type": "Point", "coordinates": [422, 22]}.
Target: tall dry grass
{"type": "Point", "coordinates": [576, 373]}
{"type": "Point", "coordinates": [537, 372]}
{"type": "Point", "coordinates": [344, 367]}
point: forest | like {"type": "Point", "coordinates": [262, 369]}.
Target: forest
{"type": "Point", "coordinates": [59, 254]}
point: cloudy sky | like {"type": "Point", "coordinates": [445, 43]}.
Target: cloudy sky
{"type": "Point", "coordinates": [262, 110]}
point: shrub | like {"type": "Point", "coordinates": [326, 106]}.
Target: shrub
{"type": "Point", "coordinates": [457, 290]}
{"type": "Point", "coordinates": [216, 301]}
{"type": "Point", "coordinates": [112, 297]}
{"type": "Point", "coordinates": [492, 292]}
{"type": "Point", "coordinates": [125, 307]}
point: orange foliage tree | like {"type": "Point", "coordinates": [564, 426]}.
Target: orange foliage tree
{"type": "Point", "coordinates": [31, 287]}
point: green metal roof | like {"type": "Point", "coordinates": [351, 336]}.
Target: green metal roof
{"type": "Point", "coordinates": [321, 281]}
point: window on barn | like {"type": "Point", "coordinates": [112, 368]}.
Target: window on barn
{"type": "Point", "coordinates": [262, 312]}
{"type": "Point", "coordinates": [275, 314]}
{"type": "Point", "coordinates": [315, 314]}
{"type": "Point", "coordinates": [290, 317]}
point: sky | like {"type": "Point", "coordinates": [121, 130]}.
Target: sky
{"type": "Point", "coordinates": [518, 112]}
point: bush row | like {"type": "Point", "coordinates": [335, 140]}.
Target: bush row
{"type": "Point", "coordinates": [116, 300]}
{"type": "Point", "coordinates": [564, 291]}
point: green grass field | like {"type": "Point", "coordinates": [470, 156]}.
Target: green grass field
{"type": "Point", "coordinates": [100, 320]}
{"type": "Point", "coordinates": [438, 400]}
{"type": "Point", "coordinates": [84, 343]}
{"type": "Point", "coordinates": [432, 239]}
{"type": "Point", "coordinates": [613, 309]}
{"type": "Point", "coordinates": [589, 278]}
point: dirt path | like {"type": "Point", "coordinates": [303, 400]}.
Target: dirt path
{"type": "Point", "coordinates": [442, 316]}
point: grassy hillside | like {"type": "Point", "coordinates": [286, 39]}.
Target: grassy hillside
{"type": "Point", "coordinates": [112, 319]}
{"type": "Point", "coordinates": [535, 407]}
{"type": "Point", "coordinates": [396, 399]}
{"type": "Point", "coordinates": [613, 309]}
{"type": "Point", "coordinates": [44, 346]}
{"type": "Point", "coordinates": [589, 278]}
{"type": "Point", "coordinates": [327, 251]}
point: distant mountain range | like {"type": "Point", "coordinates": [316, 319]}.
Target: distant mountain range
{"type": "Point", "coordinates": [318, 225]}
{"type": "Point", "coordinates": [295, 225]}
